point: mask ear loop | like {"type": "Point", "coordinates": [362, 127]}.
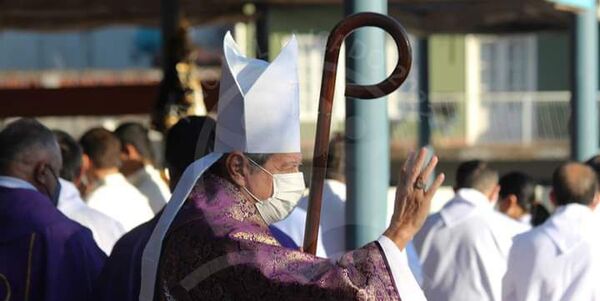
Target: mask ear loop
{"type": "Point", "coordinates": [272, 180]}
{"type": "Point", "coordinates": [259, 166]}
{"type": "Point", "coordinates": [50, 194]}
{"type": "Point", "coordinates": [252, 195]}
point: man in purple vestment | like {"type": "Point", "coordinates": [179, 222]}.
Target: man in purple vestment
{"type": "Point", "coordinates": [43, 254]}
{"type": "Point", "coordinates": [217, 245]}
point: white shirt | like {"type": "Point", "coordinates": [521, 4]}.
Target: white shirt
{"type": "Point", "coordinates": [106, 230]}
{"type": "Point", "coordinates": [526, 219]}
{"type": "Point", "coordinates": [464, 249]}
{"type": "Point", "coordinates": [120, 200]}
{"type": "Point", "coordinates": [559, 260]}
{"type": "Point", "coordinates": [149, 182]}
{"type": "Point", "coordinates": [293, 226]}
{"type": "Point", "coordinates": [11, 182]}
{"type": "Point", "coordinates": [331, 240]}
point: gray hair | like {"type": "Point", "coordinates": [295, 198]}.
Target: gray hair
{"type": "Point", "coordinates": [476, 174]}
{"type": "Point", "coordinates": [259, 159]}
{"type": "Point", "coordinates": [218, 168]}
{"type": "Point", "coordinates": [21, 137]}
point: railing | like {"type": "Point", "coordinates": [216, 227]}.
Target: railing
{"type": "Point", "coordinates": [501, 117]}
{"type": "Point", "coordinates": [525, 117]}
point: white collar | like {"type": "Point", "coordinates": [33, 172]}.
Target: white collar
{"type": "Point", "coordinates": [12, 182]}
{"type": "Point", "coordinates": [474, 197]}
{"type": "Point", "coordinates": [69, 197]}
{"type": "Point", "coordinates": [115, 178]}
{"type": "Point", "coordinates": [463, 205]}
{"type": "Point", "coordinates": [570, 225]}
{"type": "Point", "coordinates": [525, 219]}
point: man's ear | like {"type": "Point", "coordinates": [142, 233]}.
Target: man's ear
{"type": "Point", "coordinates": [86, 163]}
{"type": "Point", "coordinates": [506, 203]}
{"type": "Point", "coordinates": [596, 201]}
{"type": "Point", "coordinates": [494, 194]}
{"type": "Point", "coordinates": [236, 168]}
{"type": "Point", "coordinates": [553, 197]}
{"type": "Point", "coordinates": [39, 174]}
{"type": "Point", "coordinates": [77, 178]}
{"type": "Point", "coordinates": [130, 151]}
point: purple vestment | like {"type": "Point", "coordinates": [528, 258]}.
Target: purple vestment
{"type": "Point", "coordinates": [219, 248]}
{"type": "Point", "coordinates": [120, 278]}
{"type": "Point", "coordinates": [121, 275]}
{"type": "Point", "coordinates": [43, 254]}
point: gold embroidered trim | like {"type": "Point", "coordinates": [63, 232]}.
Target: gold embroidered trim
{"type": "Point", "coordinates": [256, 237]}
{"type": "Point", "coordinates": [28, 281]}
{"type": "Point", "coordinates": [8, 292]}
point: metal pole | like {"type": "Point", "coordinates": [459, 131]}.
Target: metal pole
{"type": "Point", "coordinates": [170, 17]}
{"type": "Point", "coordinates": [367, 132]}
{"type": "Point", "coordinates": [262, 32]}
{"type": "Point", "coordinates": [170, 86]}
{"type": "Point", "coordinates": [584, 120]}
{"type": "Point", "coordinates": [423, 84]}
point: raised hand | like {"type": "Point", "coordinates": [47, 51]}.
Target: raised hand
{"type": "Point", "coordinates": [413, 198]}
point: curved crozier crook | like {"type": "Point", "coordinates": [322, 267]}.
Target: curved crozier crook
{"type": "Point", "coordinates": [387, 86]}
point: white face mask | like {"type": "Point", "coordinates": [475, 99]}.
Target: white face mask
{"type": "Point", "coordinates": [287, 191]}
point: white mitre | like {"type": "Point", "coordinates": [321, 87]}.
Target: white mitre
{"type": "Point", "coordinates": [258, 112]}
{"type": "Point", "coordinates": [258, 108]}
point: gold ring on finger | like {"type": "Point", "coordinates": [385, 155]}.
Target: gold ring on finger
{"type": "Point", "coordinates": [419, 184]}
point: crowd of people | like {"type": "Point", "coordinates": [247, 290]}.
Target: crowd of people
{"type": "Point", "coordinates": [94, 219]}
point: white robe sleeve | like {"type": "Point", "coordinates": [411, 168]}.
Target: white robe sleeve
{"type": "Point", "coordinates": [404, 279]}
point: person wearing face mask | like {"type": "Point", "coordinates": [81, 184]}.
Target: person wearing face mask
{"type": "Point", "coordinates": [43, 254]}
{"type": "Point", "coordinates": [212, 241]}
{"type": "Point", "coordinates": [464, 247]}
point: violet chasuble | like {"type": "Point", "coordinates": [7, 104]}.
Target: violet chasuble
{"type": "Point", "coordinates": [219, 248]}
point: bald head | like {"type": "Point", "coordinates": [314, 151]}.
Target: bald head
{"type": "Point", "coordinates": [574, 183]}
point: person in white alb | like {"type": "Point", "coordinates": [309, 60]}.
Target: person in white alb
{"type": "Point", "coordinates": [137, 164]}
{"type": "Point", "coordinates": [111, 193]}
{"type": "Point", "coordinates": [560, 260]}
{"type": "Point", "coordinates": [106, 230]}
{"type": "Point", "coordinates": [464, 247]}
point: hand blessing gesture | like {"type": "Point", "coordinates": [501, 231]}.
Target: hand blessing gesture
{"type": "Point", "coordinates": [413, 198]}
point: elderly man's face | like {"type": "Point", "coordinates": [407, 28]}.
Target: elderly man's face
{"type": "Point", "coordinates": [260, 183]}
